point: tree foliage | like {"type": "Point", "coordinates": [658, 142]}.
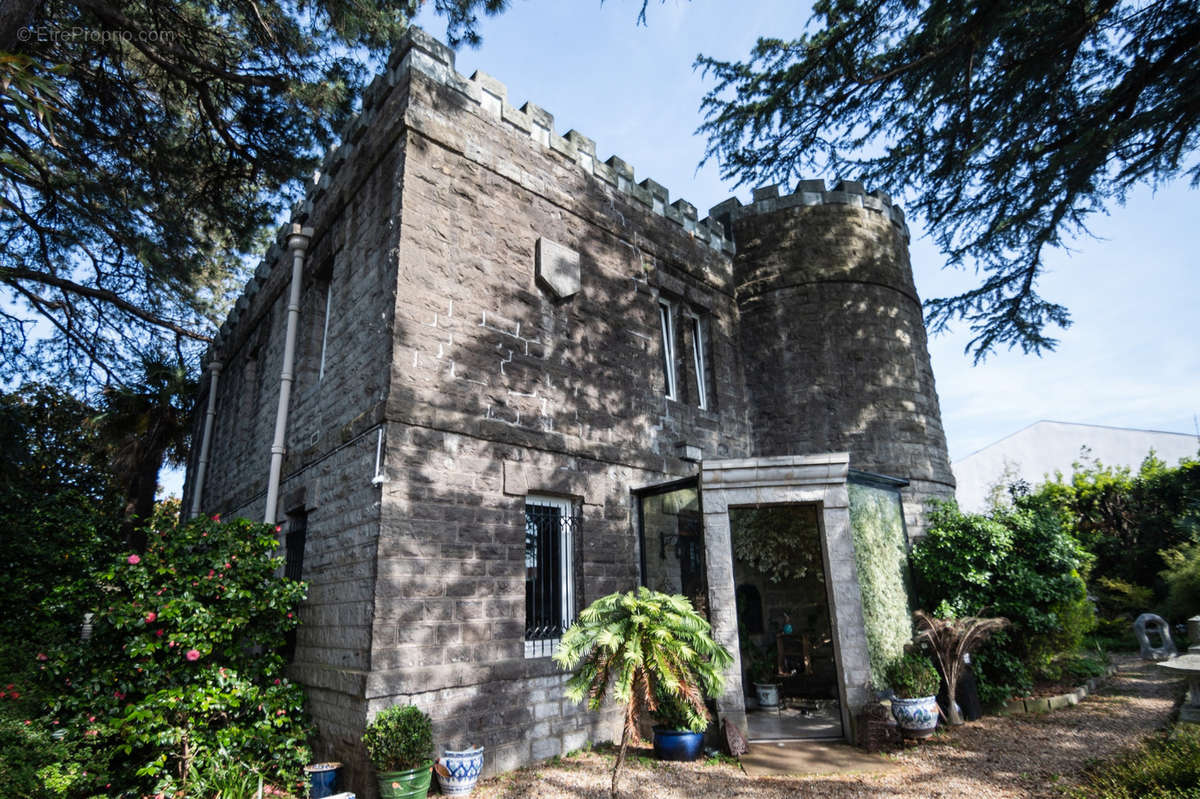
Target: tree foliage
{"type": "Point", "coordinates": [144, 426]}
{"type": "Point", "coordinates": [146, 147]}
{"type": "Point", "coordinates": [1125, 519]}
{"type": "Point", "coordinates": [59, 511]}
{"type": "Point", "coordinates": [1011, 123]}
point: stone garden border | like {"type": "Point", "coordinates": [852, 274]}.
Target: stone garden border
{"type": "Point", "coordinates": [1045, 704]}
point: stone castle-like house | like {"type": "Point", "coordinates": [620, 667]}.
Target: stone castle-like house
{"type": "Point", "coordinates": [508, 360]}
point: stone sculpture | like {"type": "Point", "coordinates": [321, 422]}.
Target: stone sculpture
{"type": "Point", "coordinates": [1152, 624]}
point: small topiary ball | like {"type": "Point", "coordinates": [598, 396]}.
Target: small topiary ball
{"type": "Point", "coordinates": [399, 739]}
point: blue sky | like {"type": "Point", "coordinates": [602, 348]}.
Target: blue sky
{"type": "Point", "coordinates": [1129, 360]}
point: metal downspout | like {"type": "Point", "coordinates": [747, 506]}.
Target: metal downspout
{"type": "Point", "coordinates": [298, 243]}
{"type": "Point", "coordinates": [210, 415]}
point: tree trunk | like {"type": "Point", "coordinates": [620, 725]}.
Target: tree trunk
{"type": "Point", "coordinates": [139, 502]}
{"type": "Point", "coordinates": [620, 760]}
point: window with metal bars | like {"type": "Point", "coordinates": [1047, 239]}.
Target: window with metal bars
{"type": "Point", "coordinates": [550, 526]}
{"type": "Point", "coordinates": [293, 567]}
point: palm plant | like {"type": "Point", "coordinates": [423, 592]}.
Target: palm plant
{"type": "Point", "coordinates": [951, 640]}
{"type": "Point", "coordinates": [643, 642]}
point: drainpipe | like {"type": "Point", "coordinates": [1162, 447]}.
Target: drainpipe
{"type": "Point", "coordinates": [297, 243]}
{"type": "Point", "coordinates": [210, 415]}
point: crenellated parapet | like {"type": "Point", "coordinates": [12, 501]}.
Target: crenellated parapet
{"type": "Point", "coordinates": [487, 96]}
{"type": "Point", "coordinates": [767, 200]}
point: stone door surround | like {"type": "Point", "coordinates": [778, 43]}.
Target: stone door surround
{"type": "Point", "coordinates": [785, 480]}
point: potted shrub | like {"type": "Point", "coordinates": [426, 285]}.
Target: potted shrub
{"type": "Point", "coordinates": [399, 742]}
{"type": "Point", "coordinates": [914, 683]}
{"type": "Point", "coordinates": [634, 644]}
{"type": "Point", "coordinates": [764, 674]}
{"type": "Point", "coordinates": [680, 729]}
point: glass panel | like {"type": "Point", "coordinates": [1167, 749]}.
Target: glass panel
{"type": "Point", "coordinates": [673, 545]}
{"type": "Point", "coordinates": [698, 355]}
{"type": "Point", "coordinates": [668, 347]}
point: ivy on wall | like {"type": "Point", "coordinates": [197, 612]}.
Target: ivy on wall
{"type": "Point", "coordinates": [882, 560]}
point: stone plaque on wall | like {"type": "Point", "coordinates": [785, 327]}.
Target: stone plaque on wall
{"type": "Point", "coordinates": [557, 268]}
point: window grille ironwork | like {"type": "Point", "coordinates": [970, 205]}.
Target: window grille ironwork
{"type": "Point", "coordinates": [550, 527]}
{"type": "Point", "coordinates": [293, 568]}
{"type": "Point", "coordinates": [297, 532]}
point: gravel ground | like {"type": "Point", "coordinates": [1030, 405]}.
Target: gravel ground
{"type": "Point", "coordinates": [995, 757]}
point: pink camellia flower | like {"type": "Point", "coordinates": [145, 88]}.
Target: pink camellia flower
{"type": "Point", "coordinates": [159, 633]}
{"type": "Point", "coordinates": [90, 732]}
{"type": "Point", "coordinates": [151, 616]}
{"type": "Point", "coordinates": [15, 694]}
{"type": "Point", "coordinates": [133, 560]}
{"type": "Point", "coordinates": [216, 517]}
{"type": "Point", "coordinates": [42, 656]}
{"type": "Point", "coordinates": [91, 718]}
{"type": "Point", "coordinates": [192, 654]}
{"type": "Point", "coordinates": [228, 565]}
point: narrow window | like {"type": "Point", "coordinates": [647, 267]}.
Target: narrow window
{"type": "Point", "coordinates": [667, 326]}
{"type": "Point", "coordinates": [325, 328]}
{"type": "Point", "coordinates": [293, 567]}
{"type": "Point", "coordinates": [549, 577]}
{"type": "Point", "coordinates": [698, 344]}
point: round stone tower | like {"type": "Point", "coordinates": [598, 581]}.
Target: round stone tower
{"type": "Point", "coordinates": [833, 336]}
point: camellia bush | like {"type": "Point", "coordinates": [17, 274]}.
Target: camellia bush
{"type": "Point", "coordinates": [181, 678]}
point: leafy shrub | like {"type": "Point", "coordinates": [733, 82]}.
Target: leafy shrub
{"type": "Point", "coordinates": [182, 671]}
{"type": "Point", "coordinates": [1125, 519]}
{"type": "Point", "coordinates": [912, 676]}
{"type": "Point", "coordinates": [400, 738]}
{"type": "Point", "coordinates": [1182, 577]}
{"type": "Point", "coordinates": [1021, 563]}
{"type": "Point", "coordinates": [1000, 675]}
{"type": "Point", "coordinates": [1162, 768]}
{"type": "Point", "coordinates": [1116, 597]}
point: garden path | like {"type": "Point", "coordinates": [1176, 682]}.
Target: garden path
{"type": "Point", "coordinates": [1017, 757]}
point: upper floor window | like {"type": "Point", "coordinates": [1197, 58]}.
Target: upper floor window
{"type": "Point", "coordinates": [699, 361]}
{"type": "Point", "coordinates": [667, 328]}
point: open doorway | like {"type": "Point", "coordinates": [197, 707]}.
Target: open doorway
{"type": "Point", "coordinates": [785, 629]}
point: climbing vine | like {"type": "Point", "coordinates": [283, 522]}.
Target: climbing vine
{"type": "Point", "coordinates": [882, 560]}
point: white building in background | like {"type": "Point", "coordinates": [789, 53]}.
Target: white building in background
{"type": "Point", "coordinates": [1046, 447]}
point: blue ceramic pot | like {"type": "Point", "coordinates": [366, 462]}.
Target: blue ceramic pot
{"type": "Point", "coordinates": [917, 717]}
{"type": "Point", "coordinates": [676, 744]}
{"type": "Point", "coordinates": [322, 779]}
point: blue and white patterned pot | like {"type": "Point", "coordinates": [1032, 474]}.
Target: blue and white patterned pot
{"type": "Point", "coordinates": [917, 717]}
{"type": "Point", "coordinates": [464, 768]}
